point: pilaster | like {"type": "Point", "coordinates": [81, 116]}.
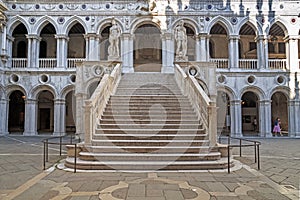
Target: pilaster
{"type": "Point", "coordinates": [236, 118]}
{"type": "Point", "coordinates": [292, 52]}
{"type": "Point", "coordinates": [127, 52]}
{"type": "Point", "coordinates": [202, 47]}
{"type": "Point", "coordinates": [265, 122]}
{"type": "Point", "coordinates": [261, 41]}
{"type": "Point", "coordinates": [167, 53]}
{"type": "Point", "coordinates": [33, 49]}
{"type": "Point", "coordinates": [233, 51]}
{"type": "Point", "coordinates": [3, 117]}
{"type": "Point", "coordinates": [62, 50]}
{"type": "Point", "coordinates": [59, 117]}
{"type": "Point", "coordinates": [30, 125]}
{"type": "Point", "coordinates": [294, 118]}
{"type": "Point", "coordinates": [92, 46]}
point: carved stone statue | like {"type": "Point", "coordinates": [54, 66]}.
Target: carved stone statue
{"type": "Point", "coordinates": [114, 35]}
{"type": "Point", "coordinates": [181, 41]}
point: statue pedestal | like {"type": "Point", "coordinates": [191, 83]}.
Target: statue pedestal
{"type": "Point", "coordinates": [114, 58]}
{"type": "Point", "coordinates": [179, 58]}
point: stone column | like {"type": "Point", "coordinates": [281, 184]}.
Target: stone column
{"type": "Point", "coordinates": [127, 52]}
{"type": "Point", "coordinates": [3, 117]}
{"type": "Point", "coordinates": [202, 47]}
{"type": "Point", "coordinates": [92, 47]}
{"type": "Point", "coordinates": [233, 50]}
{"type": "Point", "coordinates": [59, 117]}
{"type": "Point", "coordinates": [30, 125]}
{"type": "Point", "coordinates": [79, 119]}
{"type": "Point", "coordinates": [265, 54]}
{"type": "Point", "coordinates": [292, 52]}
{"type": "Point", "coordinates": [260, 42]}
{"type": "Point", "coordinates": [294, 118]}
{"type": "Point", "coordinates": [167, 53]}
{"type": "Point", "coordinates": [33, 51]}
{"type": "Point", "coordinates": [9, 44]}
{"type": "Point", "coordinates": [3, 39]}
{"type": "Point", "coordinates": [61, 50]}
{"type": "Point", "coordinates": [265, 119]}
{"type": "Point", "coordinates": [236, 118]}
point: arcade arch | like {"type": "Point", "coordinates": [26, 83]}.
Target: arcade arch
{"type": "Point", "coordinates": [250, 113]}
{"type": "Point", "coordinates": [147, 49]}
{"type": "Point", "coordinates": [16, 113]}
{"type": "Point", "coordinates": [45, 123]}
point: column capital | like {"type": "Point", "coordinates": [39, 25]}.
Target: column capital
{"type": "Point", "coordinates": [10, 38]}
{"type": "Point", "coordinates": [294, 102]}
{"type": "Point", "coordinates": [91, 35]}
{"type": "Point", "coordinates": [33, 36]}
{"type": "Point", "coordinates": [291, 37]}
{"type": "Point", "coordinates": [127, 36]}
{"type": "Point", "coordinates": [260, 37]}
{"type": "Point", "coordinates": [30, 101]}
{"type": "Point", "coordinates": [59, 101]}
{"type": "Point", "coordinates": [265, 102]}
{"type": "Point", "coordinates": [235, 102]}
{"type": "Point", "coordinates": [61, 36]}
{"type": "Point", "coordinates": [233, 37]}
{"type": "Point", "coordinates": [167, 36]}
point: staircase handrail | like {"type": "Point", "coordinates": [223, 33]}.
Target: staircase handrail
{"type": "Point", "coordinates": [201, 103]}
{"type": "Point", "coordinates": [94, 107]}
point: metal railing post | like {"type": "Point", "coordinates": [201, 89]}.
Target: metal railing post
{"type": "Point", "coordinates": [75, 157]}
{"type": "Point", "coordinates": [60, 145]}
{"type": "Point", "coordinates": [255, 158]}
{"type": "Point", "coordinates": [240, 148]}
{"type": "Point", "coordinates": [258, 159]}
{"type": "Point", "coordinates": [44, 156]}
{"type": "Point", "coordinates": [228, 155]}
{"type": "Point", "coordinates": [46, 150]}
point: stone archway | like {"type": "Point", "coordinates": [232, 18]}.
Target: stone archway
{"type": "Point", "coordinates": [45, 112]}
{"type": "Point", "coordinates": [147, 49]}
{"type": "Point", "coordinates": [250, 113]}
{"type": "Point", "coordinates": [279, 108]}
{"type": "Point", "coordinates": [16, 116]}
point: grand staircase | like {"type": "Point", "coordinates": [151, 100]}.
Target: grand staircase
{"type": "Point", "coordinates": [148, 125]}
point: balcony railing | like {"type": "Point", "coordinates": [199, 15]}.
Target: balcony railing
{"type": "Point", "coordinates": [19, 62]}
{"type": "Point", "coordinates": [47, 63]}
{"type": "Point", "coordinates": [277, 63]}
{"type": "Point", "coordinates": [251, 63]}
{"type": "Point", "coordinates": [222, 63]}
{"type": "Point", "coordinates": [71, 62]}
{"type": "Point", "coordinates": [248, 63]}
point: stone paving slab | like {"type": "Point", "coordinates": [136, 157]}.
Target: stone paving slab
{"type": "Point", "coordinates": [22, 177]}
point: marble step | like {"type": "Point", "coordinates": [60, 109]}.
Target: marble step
{"type": "Point", "coordinates": [148, 126]}
{"type": "Point", "coordinates": [147, 165]}
{"type": "Point", "coordinates": [148, 122]}
{"type": "Point", "coordinates": [149, 132]}
{"type": "Point", "coordinates": [140, 137]}
{"type": "Point", "coordinates": [127, 156]}
{"type": "Point", "coordinates": [151, 117]}
{"type": "Point", "coordinates": [148, 149]}
{"type": "Point", "coordinates": [149, 142]}
{"type": "Point", "coordinates": [150, 111]}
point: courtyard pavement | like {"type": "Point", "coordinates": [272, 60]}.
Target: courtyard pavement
{"type": "Point", "coordinates": [22, 176]}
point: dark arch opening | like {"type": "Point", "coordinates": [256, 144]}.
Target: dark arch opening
{"type": "Point", "coordinates": [16, 116]}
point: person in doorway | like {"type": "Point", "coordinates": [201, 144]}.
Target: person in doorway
{"type": "Point", "coordinates": [254, 124]}
{"type": "Point", "coordinates": [277, 129]}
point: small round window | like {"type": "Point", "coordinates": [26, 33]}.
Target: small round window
{"type": "Point", "coordinates": [280, 80]}
{"type": "Point", "coordinates": [14, 78]}
{"type": "Point", "coordinates": [44, 78]}
{"type": "Point", "coordinates": [221, 79]}
{"type": "Point", "coordinates": [73, 78]}
{"type": "Point", "coordinates": [251, 79]}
